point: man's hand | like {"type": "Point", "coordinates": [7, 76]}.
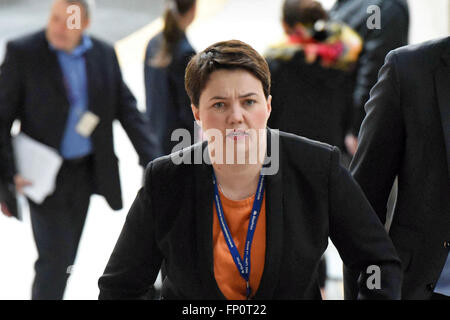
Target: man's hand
{"type": "Point", "coordinates": [21, 183]}
{"type": "Point", "coordinates": [351, 143]}
{"type": "Point", "coordinates": [5, 210]}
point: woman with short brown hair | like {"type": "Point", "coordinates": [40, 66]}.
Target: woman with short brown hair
{"type": "Point", "coordinates": [250, 227]}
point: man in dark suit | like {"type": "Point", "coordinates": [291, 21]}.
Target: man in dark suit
{"type": "Point", "coordinates": [406, 133]}
{"type": "Point", "coordinates": [66, 88]}
{"type": "Point", "coordinates": [383, 25]}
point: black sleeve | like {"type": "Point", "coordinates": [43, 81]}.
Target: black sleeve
{"type": "Point", "coordinates": [136, 260]}
{"type": "Point", "coordinates": [381, 140]}
{"type": "Point", "coordinates": [11, 97]}
{"type": "Point", "coordinates": [378, 42]}
{"type": "Point", "coordinates": [361, 239]}
{"type": "Point", "coordinates": [135, 122]}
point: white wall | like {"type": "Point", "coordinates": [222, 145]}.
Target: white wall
{"type": "Point", "coordinates": [429, 19]}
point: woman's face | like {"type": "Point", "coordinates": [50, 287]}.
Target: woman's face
{"type": "Point", "coordinates": [233, 103]}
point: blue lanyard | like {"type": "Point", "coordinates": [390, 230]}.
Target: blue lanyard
{"type": "Point", "coordinates": [243, 265]}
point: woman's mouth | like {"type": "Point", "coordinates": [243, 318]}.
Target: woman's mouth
{"type": "Point", "coordinates": [237, 135]}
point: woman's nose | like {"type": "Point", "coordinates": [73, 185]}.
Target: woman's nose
{"type": "Point", "coordinates": [236, 115]}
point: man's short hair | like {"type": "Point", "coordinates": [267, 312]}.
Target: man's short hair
{"type": "Point", "coordinates": [88, 5]}
{"type": "Point", "coordinates": [230, 55]}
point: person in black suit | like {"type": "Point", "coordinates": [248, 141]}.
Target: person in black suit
{"type": "Point", "coordinates": [167, 56]}
{"type": "Point", "coordinates": [51, 81]}
{"type": "Point", "coordinates": [310, 73]}
{"type": "Point", "coordinates": [231, 222]}
{"type": "Point", "coordinates": [383, 26]}
{"type": "Point", "coordinates": [406, 134]}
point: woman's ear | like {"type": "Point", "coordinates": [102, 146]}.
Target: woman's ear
{"type": "Point", "coordinates": [196, 113]}
{"type": "Point", "coordinates": [269, 104]}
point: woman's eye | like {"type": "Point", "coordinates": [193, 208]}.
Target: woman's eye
{"type": "Point", "coordinates": [249, 102]}
{"type": "Point", "coordinates": [219, 105]}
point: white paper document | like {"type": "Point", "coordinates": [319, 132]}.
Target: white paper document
{"type": "Point", "coordinates": [37, 163]}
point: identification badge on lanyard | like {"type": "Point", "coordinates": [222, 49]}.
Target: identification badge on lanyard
{"type": "Point", "coordinates": [87, 124]}
{"type": "Point", "coordinates": [243, 265]}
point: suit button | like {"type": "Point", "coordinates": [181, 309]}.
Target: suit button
{"type": "Point", "coordinates": [447, 244]}
{"type": "Point", "coordinates": [430, 287]}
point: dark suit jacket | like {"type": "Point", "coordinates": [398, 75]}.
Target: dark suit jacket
{"type": "Point", "coordinates": [168, 105]}
{"type": "Point", "coordinates": [32, 90]}
{"type": "Point", "coordinates": [310, 198]}
{"type": "Point", "coordinates": [407, 133]}
{"type": "Point", "coordinates": [309, 100]}
{"type": "Point", "coordinates": [393, 33]}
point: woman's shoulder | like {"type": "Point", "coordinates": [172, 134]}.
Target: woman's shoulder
{"type": "Point", "coordinates": [154, 45]}
{"type": "Point", "coordinates": [305, 152]}
{"type": "Point", "coordinates": [184, 45]}
{"type": "Point", "coordinates": [176, 165]}
{"type": "Point", "coordinates": [283, 52]}
{"type": "Point", "coordinates": [182, 52]}
{"type": "Point", "coordinates": [295, 141]}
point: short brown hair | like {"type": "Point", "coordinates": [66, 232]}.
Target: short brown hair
{"type": "Point", "coordinates": [306, 12]}
{"type": "Point", "coordinates": [233, 54]}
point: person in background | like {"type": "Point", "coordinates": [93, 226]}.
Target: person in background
{"type": "Point", "coordinates": [383, 25]}
{"type": "Point", "coordinates": [167, 55]}
{"type": "Point", "coordinates": [311, 74]}
{"type": "Point", "coordinates": [228, 227]}
{"type": "Point", "coordinates": [66, 88]}
{"type": "Point", "coordinates": [406, 133]}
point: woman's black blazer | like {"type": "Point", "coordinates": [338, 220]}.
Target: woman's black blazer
{"type": "Point", "coordinates": [309, 199]}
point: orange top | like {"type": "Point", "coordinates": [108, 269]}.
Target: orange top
{"type": "Point", "coordinates": [237, 216]}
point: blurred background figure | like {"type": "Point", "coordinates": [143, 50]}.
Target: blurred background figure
{"type": "Point", "coordinates": [311, 74]}
{"type": "Point", "coordinates": [66, 89]}
{"type": "Point", "coordinates": [167, 55]}
{"type": "Point", "coordinates": [310, 80]}
{"type": "Point", "coordinates": [383, 26]}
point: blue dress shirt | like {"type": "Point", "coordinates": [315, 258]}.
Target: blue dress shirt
{"type": "Point", "coordinates": [73, 66]}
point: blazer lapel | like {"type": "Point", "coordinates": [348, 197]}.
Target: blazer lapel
{"type": "Point", "coordinates": [54, 73]}
{"type": "Point", "coordinates": [53, 81]}
{"type": "Point", "coordinates": [203, 197]}
{"type": "Point", "coordinates": [274, 230]}
{"type": "Point", "coordinates": [93, 71]}
{"type": "Point", "coordinates": [442, 83]}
